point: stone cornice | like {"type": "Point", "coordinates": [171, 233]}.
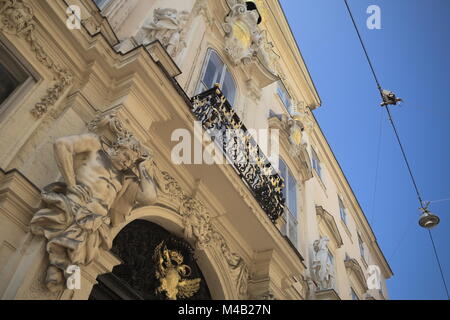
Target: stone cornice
{"type": "Point", "coordinates": [18, 197]}
{"type": "Point", "coordinates": [301, 160]}
{"type": "Point", "coordinates": [353, 266]}
{"type": "Point", "coordinates": [330, 223]}
{"type": "Point", "coordinates": [277, 25]}
{"type": "Point", "coordinates": [328, 294]}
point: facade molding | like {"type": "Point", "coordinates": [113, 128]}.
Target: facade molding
{"type": "Point", "coordinates": [353, 266]}
{"type": "Point", "coordinates": [354, 209]}
{"type": "Point", "coordinates": [331, 225]}
{"type": "Point", "coordinates": [89, 74]}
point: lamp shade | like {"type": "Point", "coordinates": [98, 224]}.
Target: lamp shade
{"type": "Point", "coordinates": [428, 220]}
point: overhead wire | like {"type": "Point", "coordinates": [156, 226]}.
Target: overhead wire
{"type": "Point", "coordinates": [391, 120]}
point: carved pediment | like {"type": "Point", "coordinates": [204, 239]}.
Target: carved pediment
{"type": "Point", "coordinates": [330, 224]}
{"type": "Point", "coordinates": [293, 130]}
{"type": "Point", "coordinates": [354, 267]}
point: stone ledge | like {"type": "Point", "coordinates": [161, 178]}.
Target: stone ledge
{"type": "Point", "coordinates": [18, 197]}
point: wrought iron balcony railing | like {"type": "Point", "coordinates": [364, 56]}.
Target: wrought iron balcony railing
{"type": "Point", "coordinates": [240, 149]}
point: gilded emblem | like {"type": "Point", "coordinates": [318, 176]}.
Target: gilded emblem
{"type": "Point", "coordinates": [172, 274]}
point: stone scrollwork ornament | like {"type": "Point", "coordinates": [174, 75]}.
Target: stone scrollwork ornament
{"type": "Point", "coordinates": [298, 123]}
{"type": "Point", "coordinates": [201, 8]}
{"type": "Point", "coordinates": [197, 222]}
{"type": "Point", "coordinates": [244, 41]}
{"type": "Point", "coordinates": [103, 179]}
{"type": "Point", "coordinates": [242, 34]}
{"type": "Point", "coordinates": [198, 226]}
{"type": "Point", "coordinates": [16, 17]}
{"type": "Point", "coordinates": [300, 112]}
{"type": "Point", "coordinates": [295, 136]}
{"type": "Point", "coordinates": [239, 269]}
{"type": "Point", "coordinates": [168, 26]}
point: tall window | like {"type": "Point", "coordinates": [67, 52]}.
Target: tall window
{"type": "Point", "coordinates": [361, 247]}
{"type": "Point", "coordinates": [290, 193]}
{"type": "Point", "coordinates": [215, 71]}
{"type": "Point", "coordinates": [101, 3]}
{"type": "Point", "coordinates": [342, 211]}
{"type": "Point", "coordinates": [284, 95]}
{"type": "Point", "coordinates": [316, 163]}
{"type": "Point", "coordinates": [12, 75]}
{"type": "Point", "coordinates": [354, 295]}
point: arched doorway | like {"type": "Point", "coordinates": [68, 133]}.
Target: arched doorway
{"type": "Point", "coordinates": [156, 265]}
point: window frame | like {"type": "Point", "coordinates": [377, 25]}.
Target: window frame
{"type": "Point", "coordinates": [316, 163]}
{"type": "Point", "coordinates": [281, 88]}
{"type": "Point", "coordinates": [291, 218]}
{"type": "Point", "coordinates": [362, 249]}
{"type": "Point", "coordinates": [354, 295]}
{"type": "Point", "coordinates": [31, 78]}
{"type": "Point", "coordinates": [331, 257]}
{"type": "Point", "coordinates": [343, 211]}
{"type": "Point", "coordinates": [103, 4]}
{"type": "Point", "coordinates": [201, 86]}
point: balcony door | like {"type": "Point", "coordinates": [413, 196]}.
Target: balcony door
{"type": "Point", "coordinates": [216, 72]}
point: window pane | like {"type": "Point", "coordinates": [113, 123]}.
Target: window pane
{"type": "Point", "coordinates": [284, 95]}
{"type": "Point", "coordinates": [229, 88]}
{"type": "Point", "coordinates": [292, 197]}
{"type": "Point", "coordinates": [101, 3]}
{"type": "Point", "coordinates": [292, 231]}
{"type": "Point", "coordinates": [361, 247]}
{"type": "Point", "coordinates": [282, 169]}
{"type": "Point", "coordinates": [12, 73]}
{"type": "Point", "coordinates": [354, 295]}
{"type": "Point", "coordinates": [316, 163]}
{"type": "Point", "coordinates": [7, 83]}
{"type": "Point", "coordinates": [342, 211]}
{"type": "Point", "coordinates": [213, 72]}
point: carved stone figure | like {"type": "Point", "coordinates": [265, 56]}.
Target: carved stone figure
{"type": "Point", "coordinates": [167, 26]}
{"type": "Point", "coordinates": [295, 136]}
{"type": "Point", "coordinates": [244, 41]}
{"type": "Point", "coordinates": [103, 181]}
{"type": "Point", "coordinates": [242, 34]}
{"type": "Point", "coordinates": [321, 266]}
{"type": "Point", "coordinates": [171, 273]}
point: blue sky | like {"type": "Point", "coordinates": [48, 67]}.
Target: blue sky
{"type": "Point", "coordinates": [411, 55]}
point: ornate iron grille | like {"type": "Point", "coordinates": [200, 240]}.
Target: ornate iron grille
{"type": "Point", "coordinates": [240, 149]}
{"type": "Point", "coordinates": [135, 278]}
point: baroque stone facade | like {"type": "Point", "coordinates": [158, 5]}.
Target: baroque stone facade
{"type": "Point", "coordinates": [87, 140]}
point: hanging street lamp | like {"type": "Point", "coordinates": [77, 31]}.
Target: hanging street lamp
{"type": "Point", "coordinates": [428, 220]}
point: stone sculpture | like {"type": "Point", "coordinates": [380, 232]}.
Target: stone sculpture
{"type": "Point", "coordinates": [321, 266]}
{"type": "Point", "coordinates": [167, 26]}
{"type": "Point", "coordinates": [103, 181]}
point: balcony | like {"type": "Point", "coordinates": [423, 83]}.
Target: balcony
{"type": "Point", "coordinates": [240, 149]}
